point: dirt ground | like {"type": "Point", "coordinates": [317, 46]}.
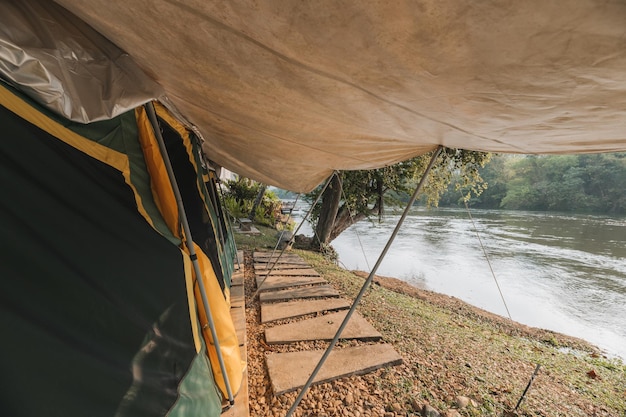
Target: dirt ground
{"type": "Point", "coordinates": [459, 360]}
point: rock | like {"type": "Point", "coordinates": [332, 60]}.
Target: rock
{"type": "Point", "coordinates": [429, 411]}
{"type": "Point", "coordinates": [452, 413]}
{"type": "Point", "coordinates": [396, 407]}
{"type": "Point", "coordinates": [461, 401]}
{"type": "Point", "coordinates": [349, 400]}
{"type": "Point", "coordinates": [389, 414]}
{"type": "Point", "coordinates": [416, 405]}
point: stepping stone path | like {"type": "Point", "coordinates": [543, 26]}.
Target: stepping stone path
{"type": "Point", "coordinates": [293, 289]}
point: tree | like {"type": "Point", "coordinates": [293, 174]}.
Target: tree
{"type": "Point", "coordinates": [353, 196]}
{"type": "Point", "coordinates": [246, 198]}
{"type": "Point", "coordinates": [580, 183]}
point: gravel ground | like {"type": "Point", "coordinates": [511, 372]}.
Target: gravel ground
{"type": "Point", "coordinates": [458, 361]}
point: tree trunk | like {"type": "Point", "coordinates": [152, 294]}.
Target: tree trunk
{"type": "Point", "coordinates": [257, 201]}
{"type": "Point", "coordinates": [343, 221]}
{"type": "Point", "coordinates": [330, 206]}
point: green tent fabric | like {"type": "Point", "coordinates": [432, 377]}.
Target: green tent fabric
{"type": "Point", "coordinates": [200, 220]}
{"type": "Point", "coordinates": [94, 309]}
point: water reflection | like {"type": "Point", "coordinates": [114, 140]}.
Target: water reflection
{"type": "Point", "coordinates": [561, 272]}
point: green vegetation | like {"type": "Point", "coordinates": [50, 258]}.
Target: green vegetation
{"type": "Point", "coordinates": [265, 240]}
{"type": "Point", "coordinates": [353, 196]}
{"type": "Point", "coordinates": [239, 201]}
{"type": "Point", "coordinates": [453, 349]}
{"type": "Point", "coordinates": [581, 183]}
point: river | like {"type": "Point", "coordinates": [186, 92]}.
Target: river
{"type": "Point", "coordinates": [561, 272]}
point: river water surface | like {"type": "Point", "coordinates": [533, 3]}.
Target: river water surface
{"type": "Point", "coordinates": [565, 273]}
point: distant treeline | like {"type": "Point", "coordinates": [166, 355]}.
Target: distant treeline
{"type": "Point", "coordinates": [581, 183]}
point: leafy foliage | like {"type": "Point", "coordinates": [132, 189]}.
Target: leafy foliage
{"type": "Point", "coordinates": [590, 183]}
{"type": "Point", "coordinates": [366, 193]}
{"type": "Point", "coordinates": [239, 200]}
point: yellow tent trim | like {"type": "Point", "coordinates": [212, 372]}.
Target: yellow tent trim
{"type": "Point", "coordinates": [160, 185]}
{"type": "Point", "coordinates": [18, 106]}
{"type": "Point", "coordinates": [220, 309]}
{"type": "Point", "coordinates": [183, 132]}
{"type": "Point", "coordinates": [95, 150]}
{"type": "Point", "coordinates": [225, 329]}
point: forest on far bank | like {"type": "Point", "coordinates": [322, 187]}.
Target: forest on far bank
{"type": "Point", "coordinates": [576, 183]}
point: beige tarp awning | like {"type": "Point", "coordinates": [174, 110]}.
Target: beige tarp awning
{"type": "Point", "coordinates": [285, 91]}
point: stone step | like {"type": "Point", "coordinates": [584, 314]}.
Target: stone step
{"type": "Point", "coordinates": [238, 262]}
{"type": "Point", "coordinates": [238, 315]}
{"type": "Point", "coordinates": [277, 282]}
{"type": "Point", "coordinates": [309, 272]}
{"type": "Point", "coordinates": [260, 266]}
{"type": "Point", "coordinates": [293, 293]}
{"type": "Point", "coordinates": [268, 257]}
{"type": "Point", "coordinates": [237, 278]}
{"type": "Point", "coordinates": [290, 371]}
{"type": "Point", "coordinates": [237, 298]}
{"type": "Point", "coordinates": [322, 328]}
{"type": "Point", "coordinates": [291, 309]}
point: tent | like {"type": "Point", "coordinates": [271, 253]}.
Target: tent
{"type": "Point", "coordinates": [102, 282]}
{"type": "Point", "coordinates": [101, 308]}
{"type": "Point", "coordinates": [103, 311]}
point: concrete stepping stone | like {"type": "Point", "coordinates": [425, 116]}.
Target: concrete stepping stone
{"type": "Point", "coordinates": [309, 272]}
{"type": "Point", "coordinates": [238, 315]}
{"type": "Point", "coordinates": [292, 293]}
{"type": "Point", "coordinates": [264, 266]}
{"type": "Point", "coordinates": [238, 262]}
{"type": "Point", "coordinates": [237, 298]}
{"type": "Point", "coordinates": [236, 279]}
{"type": "Point", "coordinates": [277, 282]}
{"type": "Point", "coordinates": [268, 257]}
{"type": "Point", "coordinates": [291, 309]}
{"type": "Point", "coordinates": [290, 371]}
{"type": "Point", "coordinates": [322, 328]}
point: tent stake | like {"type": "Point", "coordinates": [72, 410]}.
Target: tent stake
{"type": "Point", "coordinates": [365, 286]}
{"type": "Point", "coordinates": [294, 234]}
{"type": "Point", "coordinates": [189, 243]}
{"type": "Point", "coordinates": [532, 378]}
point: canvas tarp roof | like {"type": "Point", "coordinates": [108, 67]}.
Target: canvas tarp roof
{"type": "Point", "coordinates": [285, 91]}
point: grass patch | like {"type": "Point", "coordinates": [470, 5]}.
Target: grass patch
{"type": "Point", "coordinates": [263, 241]}
{"type": "Point", "coordinates": [448, 352]}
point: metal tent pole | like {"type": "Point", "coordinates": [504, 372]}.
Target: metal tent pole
{"type": "Point", "coordinates": [229, 223]}
{"type": "Point", "coordinates": [189, 243]}
{"type": "Point", "coordinates": [282, 232]}
{"type": "Point", "coordinates": [365, 286]}
{"type": "Point", "coordinates": [294, 234]}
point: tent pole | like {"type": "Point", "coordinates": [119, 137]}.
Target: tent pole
{"type": "Point", "coordinates": [229, 223]}
{"type": "Point", "coordinates": [189, 243]}
{"type": "Point", "coordinates": [366, 285]}
{"type": "Point", "coordinates": [294, 233]}
{"type": "Point", "coordinates": [220, 218]}
{"type": "Point", "coordinates": [282, 232]}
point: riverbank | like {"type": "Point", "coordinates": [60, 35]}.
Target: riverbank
{"type": "Point", "coordinates": [562, 272]}
{"type": "Point", "coordinates": [452, 351]}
